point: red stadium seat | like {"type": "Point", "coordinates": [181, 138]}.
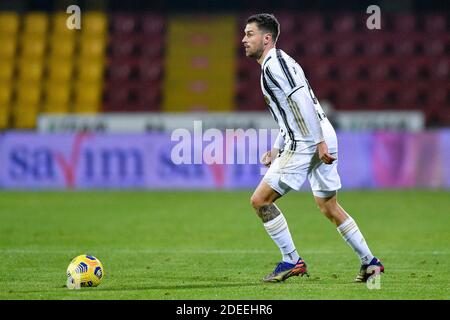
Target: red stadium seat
{"type": "Point", "coordinates": [241, 88]}
{"type": "Point", "coordinates": [326, 90]}
{"type": "Point", "coordinates": [123, 23]}
{"type": "Point", "coordinates": [406, 46]}
{"type": "Point", "coordinates": [440, 70]}
{"type": "Point", "coordinates": [439, 95]}
{"type": "Point", "coordinates": [287, 22]}
{"type": "Point", "coordinates": [435, 23]}
{"type": "Point", "coordinates": [151, 46]}
{"type": "Point", "coordinates": [344, 23]}
{"type": "Point", "coordinates": [384, 96]}
{"type": "Point", "coordinates": [316, 47]}
{"type": "Point", "coordinates": [407, 98]}
{"type": "Point", "coordinates": [380, 70]}
{"type": "Point", "coordinates": [345, 101]}
{"type": "Point", "coordinates": [244, 89]}
{"type": "Point", "coordinates": [343, 47]}
{"type": "Point", "coordinates": [122, 46]}
{"type": "Point", "coordinates": [404, 23]}
{"type": "Point", "coordinates": [349, 96]}
{"type": "Point", "coordinates": [116, 96]}
{"type": "Point", "coordinates": [243, 67]}
{"type": "Point", "coordinates": [417, 69]}
{"type": "Point", "coordinates": [437, 46]}
{"type": "Point", "coordinates": [413, 96]}
{"type": "Point", "coordinates": [248, 95]}
{"type": "Point", "coordinates": [354, 71]}
{"type": "Point", "coordinates": [311, 24]}
{"type": "Point", "coordinates": [252, 103]}
{"type": "Point", "coordinates": [247, 70]}
{"type": "Point", "coordinates": [120, 70]}
{"type": "Point", "coordinates": [423, 96]}
{"type": "Point", "coordinates": [289, 45]}
{"type": "Point", "coordinates": [148, 96]}
{"type": "Point", "coordinates": [374, 45]}
{"type": "Point", "coordinates": [319, 69]}
{"type": "Point", "coordinates": [153, 24]}
{"type": "Point", "coordinates": [150, 70]}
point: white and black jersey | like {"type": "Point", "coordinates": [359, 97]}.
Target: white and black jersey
{"type": "Point", "coordinates": [293, 105]}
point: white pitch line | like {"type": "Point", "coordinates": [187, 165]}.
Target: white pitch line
{"type": "Point", "coordinates": [200, 251]}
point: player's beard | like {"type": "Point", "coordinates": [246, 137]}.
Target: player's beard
{"type": "Point", "coordinates": [257, 53]}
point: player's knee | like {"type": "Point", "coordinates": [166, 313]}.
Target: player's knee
{"type": "Point", "coordinates": [258, 201]}
{"type": "Point", "coordinates": [330, 211]}
{"type": "Point", "coordinates": [255, 201]}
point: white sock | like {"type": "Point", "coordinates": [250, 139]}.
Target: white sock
{"type": "Point", "coordinates": [351, 234]}
{"type": "Point", "coordinates": [278, 230]}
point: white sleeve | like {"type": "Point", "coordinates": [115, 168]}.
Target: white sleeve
{"type": "Point", "coordinates": [309, 113]}
{"type": "Point", "coordinates": [279, 142]}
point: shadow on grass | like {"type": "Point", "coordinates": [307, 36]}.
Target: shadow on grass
{"type": "Point", "coordinates": [186, 286]}
{"type": "Point", "coordinates": [185, 283]}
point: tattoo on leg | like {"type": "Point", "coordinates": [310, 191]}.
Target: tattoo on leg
{"type": "Point", "coordinates": [268, 212]}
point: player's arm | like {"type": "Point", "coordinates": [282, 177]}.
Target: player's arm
{"type": "Point", "coordinates": [303, 98]}
{"type": "Point", "coordinates": [270, 155]}
{"type": "Point", "coordinates": [322, 149]}
{"type": "Point", "coordinates": [295, 88]}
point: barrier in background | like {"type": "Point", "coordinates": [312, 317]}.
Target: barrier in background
{"type": "Point", "coordinates": [88, 161]}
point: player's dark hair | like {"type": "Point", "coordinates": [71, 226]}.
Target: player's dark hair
{"type": "Point", "coordinates": [266, 22]}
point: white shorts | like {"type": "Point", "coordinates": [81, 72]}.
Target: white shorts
{"type": "Point", "coordinates": [290, 170]}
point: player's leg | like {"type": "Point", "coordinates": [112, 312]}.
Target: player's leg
{"type": "Point", "coordinates": [274, 221]}
{"type": "Point", "coordinates": [276, 226]}
{"type": "Point", "coordinates": [330, 207]}
{"type": "Point", "coordinates": [346, 226]}
{"type": "Point", "coordinates": [325, 182]}
{"type": "Point", "coordinates": [349, 230]}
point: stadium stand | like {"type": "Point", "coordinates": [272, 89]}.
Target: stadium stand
{"type": "Point", "coordinates": [128, 62]}
{"type": "Point", "coordinates": [200, 63]}
{"type": "Point", "coordinates": [135, 62]}
{"type": "Point", "coordinates": [48, 68]}
{"type": "Point", "coordinates": [405, 65]}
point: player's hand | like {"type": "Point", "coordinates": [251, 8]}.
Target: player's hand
{"type": "Point", "coordinates": [269, 157]}
{"type": "Point", "coordinates": [322, 149]}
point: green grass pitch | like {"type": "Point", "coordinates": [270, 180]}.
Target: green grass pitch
{"type": "Point", "coordinates": [210, 245]}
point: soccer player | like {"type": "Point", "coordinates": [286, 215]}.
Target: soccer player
{"type": "Point", "coordinates": [306, 147]}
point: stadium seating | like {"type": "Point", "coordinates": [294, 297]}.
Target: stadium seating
{"type": "Point", "coordinates": [127, 62]}
{"type": "Point", "coordinates": [10, 23]}
{"type": "Point", "coordinates": [199, 64]}
{"type": "Point", "coordinates": [6, 70]}
{"type": "Point", "coordinates": [26, 107]}
{"type": "Point", "coordinates": [87, 97]}
{"type": "Point", "coordinates": [134, 67]}
{"type": "Point", "coordinates": [61, 47]}
{"type": "Point", "coordinates": [95, 24]}
{"type": "Point", "coordinates": [404, 66]}
{"type": "Point", "coordinates": [43, 63]}
{"type": "Point", "coordinates": [5, 104]}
